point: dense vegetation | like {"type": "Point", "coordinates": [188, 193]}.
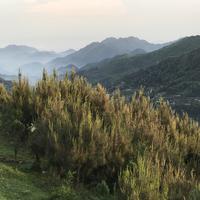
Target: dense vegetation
{"type": "Point", "coordinates": [177, 75]}
{"type": "Point", "coordinates": [18, 181]}
{"type": "Point", "coordinates": [131, 150]}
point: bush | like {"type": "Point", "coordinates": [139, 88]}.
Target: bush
{"type": "Point", "coordinates": [103, 189]}
{"type": "Point", "coordinates": [143, 180]}
{"type": "Point", "coordinates": [73, 126]}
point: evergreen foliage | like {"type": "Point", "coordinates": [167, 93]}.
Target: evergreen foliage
{"type": "Point", "coordinates": [144, 151]}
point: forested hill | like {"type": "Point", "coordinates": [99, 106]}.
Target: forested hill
{"type": "Point", "coordinates": [111, 72]}
{"type": "Point", "coordinates": [177, 75]}
{"type": "Point", "coordinates": [80, 135]}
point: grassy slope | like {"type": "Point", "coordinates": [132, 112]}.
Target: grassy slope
{"type": "Point", "coordinates": [18, 182]}
{"type": "Point", "coordinates": [15, 183]}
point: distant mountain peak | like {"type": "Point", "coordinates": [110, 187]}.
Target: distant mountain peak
{"type": "Point", "coordinates": [109, 39]}
{"type": "Point", "coordinates": [108, 48]}
{"type": "Point", "coordinates": [114, 39]}
{"type": "Point", "coordinates": [14, 46]}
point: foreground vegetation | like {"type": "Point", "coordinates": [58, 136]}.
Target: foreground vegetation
{"type": "Point", "coordinates": [18, 181]}
{"type": "Point", "coordinates": [80, 135]}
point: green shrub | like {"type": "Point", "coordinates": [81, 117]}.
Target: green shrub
{"type": "Point", "coordinates": [64, 192]}
{"type": "Point", "coordinates": [72, 126]}
{"type": "Point", "coordinates": [102, 189]}
{"type": "Point", "coordinates": [195, 193]}
{"type": "Point", "coordinates": [143, 180]}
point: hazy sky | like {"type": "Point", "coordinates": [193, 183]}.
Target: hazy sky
{"type": "Point", "coordinates": [63, 24]}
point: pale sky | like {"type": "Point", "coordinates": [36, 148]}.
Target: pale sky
{"type": "Point", "coordinates": [62, 24]}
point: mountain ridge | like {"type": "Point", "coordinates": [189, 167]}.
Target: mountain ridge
{"type": "Point", "coordinates": [112, 71]}
{"type": "Point", "coordinates": [13, 57]}
{"type": "Point", "coordinates": [108, 48]}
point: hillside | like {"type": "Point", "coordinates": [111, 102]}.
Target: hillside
{"type": "Point", "coordinates": [177, 79]}
{"type": "Point", "coordinates": [69, 140]}
{"type": "Point", "coordinates": [177, 75]}
{"type": "Point", "coordinates": [67, 52]}
{"type": "Point", "coordinates": [111, 72]}
{"type": "Point", "coordinates": [13, 57]}
{"type": "Point", "coordinates": [108, 48]}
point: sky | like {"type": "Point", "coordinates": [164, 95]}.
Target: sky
{"type": "Point", "coordinates": [63, 24]}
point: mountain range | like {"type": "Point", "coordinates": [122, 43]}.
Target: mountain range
{"type": "Point", "coordinates": [30, 60]}
{"type": "Point", "coordinates": [112, 71]}
{"type": "Point", "coordinates": [171, 70]}
{"type": "Point", "coordinates": [108, 48]}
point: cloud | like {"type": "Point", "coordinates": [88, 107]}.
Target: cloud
{"type": "Point", "coordinates": [78, 7]}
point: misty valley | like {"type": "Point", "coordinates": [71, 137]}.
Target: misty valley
{"type": "Point", "coordinates": [116, 119]}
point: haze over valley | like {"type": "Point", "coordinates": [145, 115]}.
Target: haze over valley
{"type": "Point", "coordinates": [118, 63]}
{"type": "Point", "coordinates": [32, 61]}
{"type": "Point", "coordinates": [100, 100]}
